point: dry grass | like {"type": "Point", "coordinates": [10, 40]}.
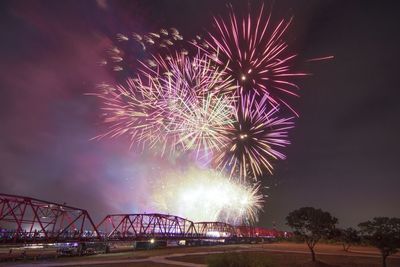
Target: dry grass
{"type": "Point", "coordinates": [303, 260]}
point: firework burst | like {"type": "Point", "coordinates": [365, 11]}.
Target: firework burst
{"type": "Point", "coordinates": [175, 107]}
{"type": "Point", "coordinates": [137, 109]}
{"type": "Point", "coordinates": [200, 123]}
{"type": "Point", "coordinates": [205, 195]}
{"type": "Point", "coordinates": [199, 110]}
{"type": "Point", "coordinates": [255, 139]}
{"type": "Point", "coordinates": [256, 55]}
{"type": "Point", "coordinates": [195, 75]}
{"type": "Point", "coordinates": [221, 97]}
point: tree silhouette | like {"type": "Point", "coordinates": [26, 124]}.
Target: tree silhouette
{"type": "Point", "coordinates": [348, 237]}
{"type": "Point", "coordinates": [310, 225]}
{"type": "Point", "coordinates": [383, 233]}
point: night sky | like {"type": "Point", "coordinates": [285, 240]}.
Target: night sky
{"type": "Point", "coordinates": [344, 156]}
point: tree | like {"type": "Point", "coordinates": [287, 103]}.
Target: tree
{"type": "Point", "coordinates": [310, 225]}
{"type": "Point", "coordinates": [382, 233]}
{"type": "Point", "coordinates": [348, 237]}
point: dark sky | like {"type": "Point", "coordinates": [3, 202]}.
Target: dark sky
{"type": "Point", "coordinates": [344, 157]}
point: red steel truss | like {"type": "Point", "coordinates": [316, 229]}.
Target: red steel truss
{"type": "Point", "coordinates": [215, 229]}
{"type": "Point", "coordinates": [28, 220]}
{"type": "Point", "coordinates": [246, 231]}
{"type": "Point", "coordinates": [138, 226]}
{"type": "Point", "coordinates": [25, 219]}
{"type": "Point", "coordinates": [251, 231]}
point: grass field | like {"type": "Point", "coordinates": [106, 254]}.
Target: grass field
{"type": "Point", "coordinates": [302, 260]}
{"type": "Point", "coordinates": [276, 254]}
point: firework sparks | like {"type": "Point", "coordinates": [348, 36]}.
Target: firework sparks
{"type": "Point", "coordinates": [200, 123]}
{"type": "Point", "coordinates": [205, 195]}
{"type": "Point", "coordinates": [256, 53]}
{"type": "Point", "coordinates": [216, 100]}
{"type": "Point", "coordinates": [138, 110]}
{"type": "Point", "coordinates": [128, 49]}
{"type": "Point", "coordinates": [195, 74]}
{"type": "Point", "coordinates": [224, 101]}
{"type": "Point", "coordinates": [173, 107]}
{"type": "Point", "coordinates": [255, 138]}
{"type": "Point", "coordinates": [200, 112]}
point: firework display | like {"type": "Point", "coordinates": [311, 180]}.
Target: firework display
{"type": "Point", "coordinates": [256, 55]}
{"type": "Point", "coordinates": [176, 106]}
{"type": "Point", "coordinates": [136, 109]}
{"type": "Point", "coordinates": [226, 95]}
{"type": "Point", "coordinates": [199, 112]}
{"type": "Point", "coordinates": [206, 195]}
{"type": "Point", "coordinates": [254, 138]}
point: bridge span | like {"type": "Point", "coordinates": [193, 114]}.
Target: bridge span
{"type": "Point", "coordinates": [25, 220]}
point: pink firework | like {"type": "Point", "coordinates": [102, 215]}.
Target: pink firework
{"type": "Point", "coordinates": [256, 55]}
{"type": "Point", "coordinates": [137, 109]}
{"type": "Point", "coordinates": [187, 75]}
{"type": "Point", "coordinates": [174, 107]}
{"type": "Point", "coordinates": [197, 109]}
{"type": "Point", "coordinates": [256, 137]}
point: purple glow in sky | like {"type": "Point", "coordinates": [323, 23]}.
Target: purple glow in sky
{"type": "Point", "coordinates": [344, 156]}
